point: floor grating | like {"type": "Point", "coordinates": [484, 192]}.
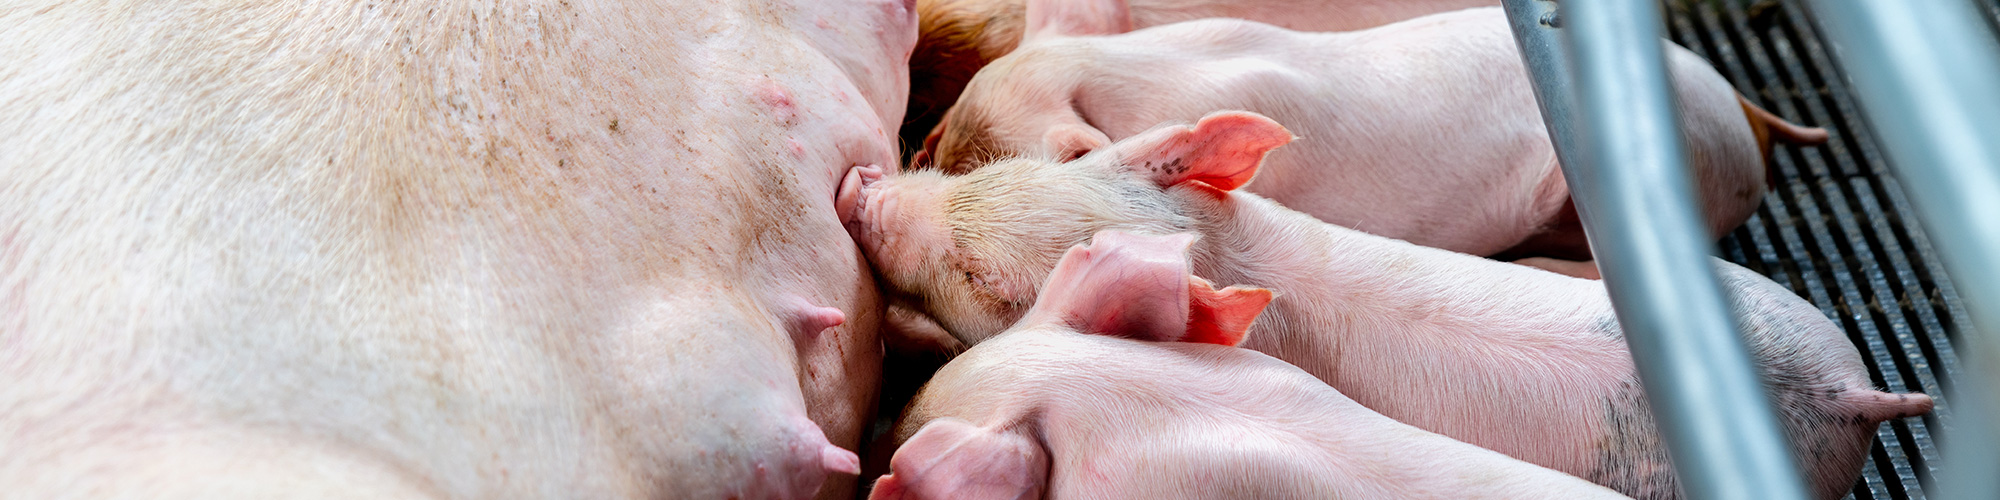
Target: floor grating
{"type": "Point", "coordinates": [1836, 227]}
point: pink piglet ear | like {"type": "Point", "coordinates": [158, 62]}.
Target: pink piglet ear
{"type": "Point", "coordinates": [953, 459]}
{"type": "Point", "coordinates": [1048, 18]}
{"type": "Point", "coordinates": [1137, 286]}
{"type": "Point", "coordinates": [1071, 140]}
{"type": "Point", "coordinates": [1122, 284]}
{"type": "Point", "coordinates": [1222, 150]}
{"type": "Point", "coordinates": [1222, 316]}
{"type": "Point", "coordinates": [922, 159]}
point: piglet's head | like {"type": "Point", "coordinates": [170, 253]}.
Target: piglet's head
{"type": "Point", "coordinates": [971, 252]}
{"type": "Point", "coordinates": [1024, 103]}
{"type": "Point", "coordinates": [1020, 105]}
{"type": "Point", "coordinates": [1122, 284]}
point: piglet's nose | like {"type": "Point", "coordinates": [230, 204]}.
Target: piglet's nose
{"type": "Point", "coordinates": [869, 174]}
{"type": "Point", "coordinates": [849, 201]}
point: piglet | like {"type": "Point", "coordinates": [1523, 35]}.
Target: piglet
{"type": "Point", "coordinates": [1512, 358]}
{"type": "Point", "coordinates": [957, 37]}
{"type": "Point", "coordinates": [1424, 130]}
{"type": "Point", "coordinates": [1087, 397]}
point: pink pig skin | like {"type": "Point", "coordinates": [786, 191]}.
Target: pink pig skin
{"type": "Point", "coordinates": [1424, 130]}
{"type": "Point", "coordinates": [1061, 406]}
{"type": "Point", "coordinates": [957, 37]}
{"type": "Point", "coordinates": [443, 249]}
{"type": "Point", "coordinates": [1511, 358]}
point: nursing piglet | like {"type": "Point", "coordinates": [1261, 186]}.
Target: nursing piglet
{"type": "Point", "coordinates": [1511, 358]}
{"type": "Point", "coordinates": [1424, 130]}
{"type": "Point", "coordinates": [1061, 406]}
{"type": "Point", "coordinates": [957, 37]}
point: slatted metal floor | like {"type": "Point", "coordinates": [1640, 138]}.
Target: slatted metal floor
{"type": "Point", "coordinates": [1836, 227]}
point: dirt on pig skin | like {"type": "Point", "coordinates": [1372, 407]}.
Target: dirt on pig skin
{"type": "Point", "coordinates": [1511, 358]}
{"type": "Point", "coordinates": [1424, 130]}
{"type": "Point", "coordinates": [450, 249]}
{"type": "Point", "coordinates": [958, 37]}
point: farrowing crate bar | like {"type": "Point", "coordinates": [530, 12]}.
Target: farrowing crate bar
{"type": "Point", "coordinates": [1601, 78]}
{"type": "Point", "coordinates": [1837, 229]}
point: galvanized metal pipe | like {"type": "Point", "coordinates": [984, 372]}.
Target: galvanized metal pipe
{"type": "Point", "coordinates": [1536, 25]}
{"type": "Point", "coordinates": [1927, 75]}
{"type": "Point", "coordinates": [1612, 115]}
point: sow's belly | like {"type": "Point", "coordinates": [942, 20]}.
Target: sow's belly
{"type": "Point", "coordinates": [545, 249]}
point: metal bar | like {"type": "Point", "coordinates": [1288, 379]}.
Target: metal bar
{"type": "Point", "coordinates": [1610, 109]}
{"type": "Point", "coordinates": [1927, 75]}
{"type": "Point", "coordinates": [1536, 24]}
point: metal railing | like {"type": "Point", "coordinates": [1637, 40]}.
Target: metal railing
{"type": "Point", "coordinates": [1928, 75]}
{"type": "Point", "coordinates": [1604, 92]}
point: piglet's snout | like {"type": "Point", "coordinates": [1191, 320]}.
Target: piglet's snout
{"type": "Point", "coordinates": [852, 201]}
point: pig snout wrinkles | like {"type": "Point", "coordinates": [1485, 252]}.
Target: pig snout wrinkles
{"type": "Point", "coordinates": [857, 191]}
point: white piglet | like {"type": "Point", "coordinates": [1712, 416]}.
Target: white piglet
{"type": "Point", "coordinates": [1515, 359]}
{"type": "Point", "coordinates": [1424, 130]}
{"type": "Point", "coordinates": [1113, 387]}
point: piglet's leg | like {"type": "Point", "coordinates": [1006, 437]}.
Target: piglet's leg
{"type": "Point", "coordinates": [907, 330]}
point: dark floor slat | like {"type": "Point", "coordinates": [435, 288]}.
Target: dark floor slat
{"type": "Point", "coordinates": [1836, 227]}
{"type": "Point", "coordinates": [1935, 340]}
{"type": "Point", "coordinates": [1851, 257]}
{"type": "Point", "coordinates": [1860, 248]}
{"type": "Point", "coordinates": [1712, 40]}
{"type": "Point", "coordinates": [1922, 265]}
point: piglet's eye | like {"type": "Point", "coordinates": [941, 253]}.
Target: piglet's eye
{"type": "Point", "coordinates": [984, 288]}
{"type": "Point", "coordinates": [994, 301]}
